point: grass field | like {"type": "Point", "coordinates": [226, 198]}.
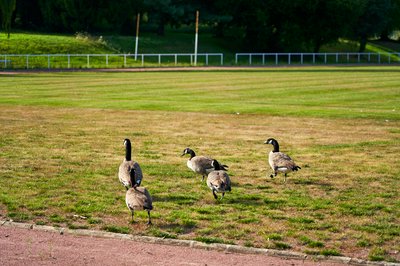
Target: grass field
{"type": "Point", "coordinates": [62, 142]}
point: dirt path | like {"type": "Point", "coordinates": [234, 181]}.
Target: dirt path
{"type": "Point", "coordinates": [21, 246]}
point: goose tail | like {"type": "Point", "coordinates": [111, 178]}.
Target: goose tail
{"type": "Point", "coordinates": [296, 168]}
{"type": "Point", "coordinates": [224, 167]}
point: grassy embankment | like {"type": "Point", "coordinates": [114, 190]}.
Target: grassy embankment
{"type": "Point", "coordinates": [173, 42]}
{"type": "Point", "coordinates": [61, 144]}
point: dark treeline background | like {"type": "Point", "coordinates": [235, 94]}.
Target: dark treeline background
{"type": "Point", "coordinates": [257, 25]}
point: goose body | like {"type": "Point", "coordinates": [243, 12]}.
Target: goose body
{"type": "Point", "coordinates": [200, 164]}
{"type": "Point", "coordinates": [279, 161]}
{"type": "Point", "coordinates": [218, 180]}
{"type": "Point", "coordinates": [138, 198]}
{"type": "Point", "coordinates": [128, 168]}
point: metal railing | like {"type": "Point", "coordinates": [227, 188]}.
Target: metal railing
{"type": "Point", "coordinates": [49, 61]}
{"type": "Point", "coordinates": [65, 61]}
{"type": "Point", "coordinates": [316, 58]}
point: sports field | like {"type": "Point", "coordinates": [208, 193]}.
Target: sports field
{"type": "Point", "coordinates": [61, 142]}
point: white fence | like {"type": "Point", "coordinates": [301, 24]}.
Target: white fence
{"type": "Point", "coordinates": [65, 61]}
{"type": "Point", "coordinates": [315, 58]}
{"type": "Point", "coordinates": [30, 61]}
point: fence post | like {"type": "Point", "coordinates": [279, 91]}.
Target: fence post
{"type": "Point", "coordinates": [5, 61]}
{"type": "Point", "coordinates": [142, 59]}
{"type": "Point", "coordinates": [379, 58]}
{"type": "Point", "coordinates": [27, 61]}
{"type": "Point", "coordinates": [106, 60]}
{"type": "Point", "coordinates": [48, 61]}
{"type": "Point", "coordinates": [176, 59]}
{"type": "Point", "coordinates": [159, 59]}
{"type": "Point", "coordinates": [124, 60]}
{"type": "Point", "coordinates": [222, 59]}
{"type": "Point", "coordinates": [325, 58]}
{"type": "Point", "coordinates": [313, 58]}
{"type": "Point", "coordinates": [236, 59]}
{"type": "Point", "coordinates": [250, 61]}
{"type": "Point", "coordinates": [289, 58]}
{"type": "Point", "coordinates": [276, 59]}
{"type": "Point", "coordinates": [88, 62]}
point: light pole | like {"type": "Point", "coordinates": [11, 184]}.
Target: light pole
{"type": "Point", "coordinates": [137, 35]}
{"type": "Point", "coordinates": [196, 38]}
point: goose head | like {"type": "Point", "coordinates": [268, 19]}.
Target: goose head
{"type": "Point", "coordinates": [274, 143]}
{"type": "Point", "coordinates": [216, 165]}
{"type": "Point", "coordinates": [127, 142]}
{"type": "Point", "coordinates": [188, 151]}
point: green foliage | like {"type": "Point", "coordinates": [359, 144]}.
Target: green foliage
{"type": "Point", "coordinates": [257, 26]}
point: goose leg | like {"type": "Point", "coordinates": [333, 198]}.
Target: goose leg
{"type": "Point", "coordinates": [132, 212]}
{"type": "Point", "coordinates": [215, 195]}
{"type": "Point", "coordinates": [223, 194]}
{"type": "Point", "coordinates": [149, 222]}
{"type": "Point", "coordinates": [273, 174]}
{"type": "Point", "coordinates": [284, 178]}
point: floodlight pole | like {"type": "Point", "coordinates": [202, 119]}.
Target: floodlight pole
{"type": "Point", "coordinates": [196, 38]}
{"type": "Point", "coordinates": [137, 35]}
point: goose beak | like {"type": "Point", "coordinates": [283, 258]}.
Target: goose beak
{"type": "Point", "coordinates": [266, 142]}
{"type": "Point", "coordinates": [183, 154]}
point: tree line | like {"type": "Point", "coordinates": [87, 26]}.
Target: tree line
{"type": "Point", "coordinates": [255, 25]}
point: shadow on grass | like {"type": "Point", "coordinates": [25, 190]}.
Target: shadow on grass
{"type": "Point", "coordinates": [177, 228]}
{"type": "Point", "coordinates": [247, 200]}
{"type": "Point", "coordinates": [178, 199]}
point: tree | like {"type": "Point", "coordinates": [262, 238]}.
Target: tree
{"type": "Point", "coordinates": [325, 21]}
{"type": "Point", "coordinates": [166, 12]}
{"type": "Point", "coordinates": [393, 20]}
{"type": "Point", "coordinates": [7, 8]}
{"type": "Point", "coordinates": [373, 20]}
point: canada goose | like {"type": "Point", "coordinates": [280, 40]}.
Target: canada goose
{"type": "Point", "coordinates": [218, 180]}
{"type": "Point", "coordinates": [279, 161]}
{"type": "Point", "coordinates": [138, 198]}
{"type": "Point", "coordinates": [200, 164]}
{"type": "Point", "coordinates": [126, 168]}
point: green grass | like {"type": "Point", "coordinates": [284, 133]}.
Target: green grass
{"type": "Point", "coordinates": [82, 43]}
{"type": "Point", "coordinates": [61, 145]}
{"type": "Point", "coordinates": [318, 92]}
{"type": "Point", "coordinates": [28, 43]}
